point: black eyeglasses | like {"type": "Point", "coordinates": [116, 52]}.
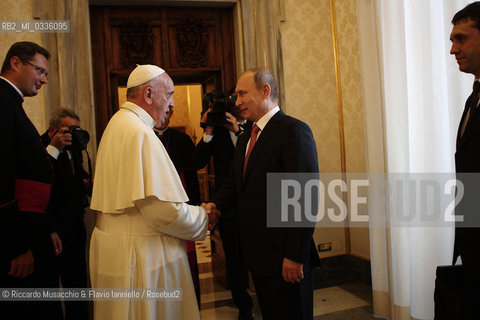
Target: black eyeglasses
{"type": "Point", "coordinates": [41, 72]}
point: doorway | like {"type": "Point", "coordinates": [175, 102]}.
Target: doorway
{"type": "Point", "coordinates": [194, 45]}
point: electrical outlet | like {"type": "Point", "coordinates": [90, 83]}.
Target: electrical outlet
{"type": "Point", "coordinates": [325, 246]}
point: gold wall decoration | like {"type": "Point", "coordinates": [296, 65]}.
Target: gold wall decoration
{"type": "Point", "coordinates": [341, 132]}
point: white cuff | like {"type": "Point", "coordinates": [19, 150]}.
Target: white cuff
{"type": "Point", "coordinates": [207, 137]}
{"type": "Point", "coordinates": [179, 220]}
{"type": "Point", "coordinates": [53, 151]}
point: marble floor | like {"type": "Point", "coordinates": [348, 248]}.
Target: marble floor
{"type": "Point", "coordinates": [350, 301]}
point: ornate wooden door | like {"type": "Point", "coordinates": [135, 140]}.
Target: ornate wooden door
{"type": "Point", "coordinates": [194, 45]}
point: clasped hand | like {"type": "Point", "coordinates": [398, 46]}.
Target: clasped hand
{"type": "Point", "coordinates": [213, 214]}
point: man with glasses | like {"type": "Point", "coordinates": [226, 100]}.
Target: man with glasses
{"type": "Point", "coordinates": [41, 71]}
{"type": "Point", "coordinates": [26, 250]}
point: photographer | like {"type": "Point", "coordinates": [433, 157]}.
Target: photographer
{"type": "Point", "coordinates": [223, 124]}
{"type": "Point", "coordinates": [64, 141]}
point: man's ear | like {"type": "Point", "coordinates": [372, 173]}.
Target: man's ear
{"type": "Point", "coordinates": [51, 131]}
{"type": "Point", "coordinates": [148, 94]}
{"type": "Point", "coordinates": [266, 90]}
{"type": "Point", "coordinates": [15, 63]}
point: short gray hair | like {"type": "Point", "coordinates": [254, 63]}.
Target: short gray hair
{"type": "Point", "coordinates": [57, 116]}
{"type": "Point", "coordinates": [263, 76]}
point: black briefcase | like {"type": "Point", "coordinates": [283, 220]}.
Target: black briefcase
{"type": "Point", "coordinates": [448, 290]}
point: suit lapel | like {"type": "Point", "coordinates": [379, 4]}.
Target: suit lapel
{"type": "Point", "coordinates": [248, 125]}
{"type": "Point", "coordinates": [242, 146]}
{"type": "Point", "coordinates": [459, 131]}
{"type": "Point", "coordinates": [472, 127]}
{"type": "Point", "coordinates": [239, 158]}
{"type": "Point", "coordinates": [262, 141]}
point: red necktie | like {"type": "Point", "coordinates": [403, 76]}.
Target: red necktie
{"type": "Point", "coordinates": [253, 139]}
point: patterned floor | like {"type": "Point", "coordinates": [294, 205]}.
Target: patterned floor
{"type": "Point", "coordinates": [344, 302]}
{"type": "Point", "coordinates": [204, 255]}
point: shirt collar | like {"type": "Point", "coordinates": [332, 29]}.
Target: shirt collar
{"type": "Point", "coordinates": [14, 86]}
{"type": "Point", "coordinates": [262, 122]}
{"type": "Point", "coordinates": [159, 131]}
{"type": "Point", "coordinates": [140, 112]}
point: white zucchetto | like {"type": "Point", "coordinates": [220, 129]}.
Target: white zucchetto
{"type": "Point", "coordinates": [142, 74]}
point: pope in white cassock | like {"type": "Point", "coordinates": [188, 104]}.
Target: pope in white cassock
{"type": "Point", "coordinates": [143, 220]}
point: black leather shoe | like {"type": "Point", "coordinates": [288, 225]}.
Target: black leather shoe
{"type": "Point", "coordinates": [245, 315]}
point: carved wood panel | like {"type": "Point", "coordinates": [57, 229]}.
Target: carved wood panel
{"type": "Point", "coordinates": [136, 41]}
{"type": "Point", "coordinates": [192, 41]}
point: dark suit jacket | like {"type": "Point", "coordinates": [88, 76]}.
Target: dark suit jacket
{"type": "Point", "coordinates": [180, 148]}
{"type": "Point", "coordinates": [285, 145]}
{"type": "Point", "coordinates": [221, 148]}
{"type": "Point", "coordinates": [25, 183]}
{"type": "Point", "coordinates": [467, 161]}
{"type": "Point", "coordinates": [69, 196]}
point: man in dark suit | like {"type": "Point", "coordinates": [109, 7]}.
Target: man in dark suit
{"type": "Point", "coordinates": [219, 142]}
{"type": "Point", "coordinates": [26, 251]}
{"type": "Point", "coordinates": [67, 206]}
{"type": "Point", "coordinates": [180, 148]}
{"type": "Point", "coordinates": [465, 37]}
{"type": "Point", "coordinates": [280, 259]}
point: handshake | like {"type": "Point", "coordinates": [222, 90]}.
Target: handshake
{"type": "Point", "coordinates": [213, 214]}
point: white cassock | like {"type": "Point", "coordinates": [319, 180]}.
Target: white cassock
{"type": "Point", "coordinates": [143, 222]}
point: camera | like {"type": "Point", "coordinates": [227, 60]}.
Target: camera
{"type": "Point", "coordinates": [80, 138]}
{"type": "Point", "coordinates": [220, 103]}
